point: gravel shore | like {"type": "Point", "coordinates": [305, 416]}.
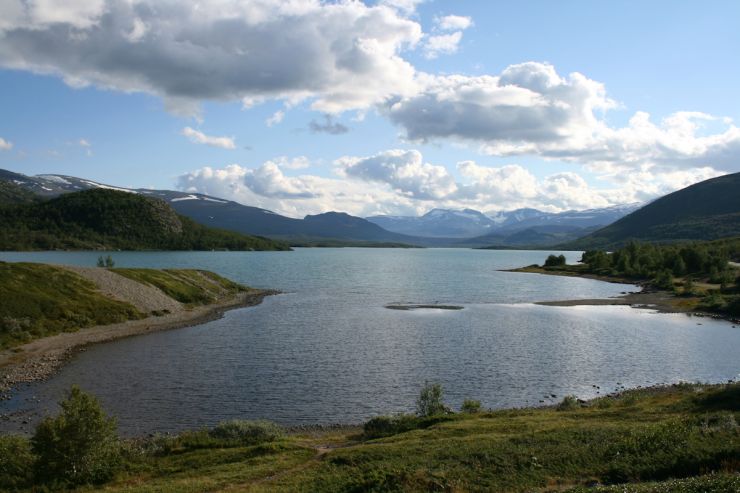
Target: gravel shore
{"type": "Point", "coordinates": [39, 359]}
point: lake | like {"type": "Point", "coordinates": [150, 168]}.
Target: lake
{"type": "Point", "coordinates": [328, 351]}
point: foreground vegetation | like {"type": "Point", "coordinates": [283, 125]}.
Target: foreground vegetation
{"type": "Point", "coordinates": [103, 219]}
{"type": "Point", "coordinates": [705, 273]}
{"type": "Point", "coordinates": [679, 438]}
{"type": "Point", "coordinates": [41, 300]}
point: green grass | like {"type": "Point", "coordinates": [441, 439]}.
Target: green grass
{"type": "Point", "coordinates": [189, 286]}
{"type": "Point", "coordinates": [41, 300]}
{"type": "Point", "coordinates": [680, 438]}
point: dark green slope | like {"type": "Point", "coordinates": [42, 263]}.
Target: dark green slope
{"type": "Point", "coordinates": [12, 194]}
{"type": "Point", "coordinates": [707, 210]}
{"type": "Point", "coordinates": [109, 219]}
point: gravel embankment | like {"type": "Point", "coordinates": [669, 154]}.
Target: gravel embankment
{"type": "Point", "coordinates": [39, 359]}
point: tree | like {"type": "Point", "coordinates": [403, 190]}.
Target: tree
{"type": "Point", "coordinates": [78, 446]}
{"type": "Point", "coordinates": [109, 263]}
{"type": "Point", "coordinates": [101, 261]}
{"type": "Point", "coordinates": [430, 402]}
{"type": "Point", "coordinates": [555, 260]}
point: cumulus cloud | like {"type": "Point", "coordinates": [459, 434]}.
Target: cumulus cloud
{"type": "Point", "coordinates": [404, 171]}
{"type": "Point", "coordinates": [453, 22]}
{"type": "Point", "coordinates": [327, 127]}
{"type": "Point", "coordinates": [5, 145]}
{"type": "Point", "coordinates": [342, 56]}
{"type": "Point", "coordinates": [401, 182]}
{"type": "Point", "coordinates": [529, 109]}
{"type": "Point", "coordinates": [199, 137]}
{"type": "Point", "coordinates": [443, 44]}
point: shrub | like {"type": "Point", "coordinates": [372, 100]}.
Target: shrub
{"type": "Point", "coordinates": [555, 260]}
{"type": "Point", "coordinates": [383, 426]}
{"type": "Point", "coordinates": [16, 462]}
{"type": "Point", "coordinates": [664, 280]}
{"type": "Point", "coordinates": [430, 402]}
{"type": "Point", "coordinates": [246, 432]}
{"type": "Point", "coordinates": [470, 406]}
{"type": "Point", "coordinates": [80, 445]}
{"type": "Point", "coordinates": [569, 403]}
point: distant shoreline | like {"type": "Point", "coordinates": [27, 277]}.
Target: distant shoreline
{"type": "Point", "coordinates": [40, 359]}
{"type": "Point", "coordinates": [648, 297]}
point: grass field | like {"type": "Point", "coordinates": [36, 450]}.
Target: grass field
{"type": "Point", "coordinates": [680, 438]}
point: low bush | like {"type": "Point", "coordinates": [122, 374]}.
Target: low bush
{"type": "Point", "coordinates": [383, 426]}
{"type": "Point", "coordinates": [569, 403]}
{"type": "Point", "coordinates": [470, 406]}
{"type": "Point", "coordinates": [245, 432]}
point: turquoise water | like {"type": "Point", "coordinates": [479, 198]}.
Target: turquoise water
{"type": "Point", "coordinates": [329, 351]}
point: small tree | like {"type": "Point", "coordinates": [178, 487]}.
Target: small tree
{"type": "Point", "coordinates": [101, 261]}
{"type": "Point", "coordinates": [430, 402]}
{"type": "Point", "coordinates": [78, 446]}
{"type": "Point", "coordinates": [109, 263]}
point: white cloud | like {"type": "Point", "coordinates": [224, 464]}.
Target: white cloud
{"type": "Point", "coordinates": [5, 145]}
{"type": "Point", "coordinates": [275, 119]}
{"type": "Point", "coordinates": [344, 55]}
{"type": "Point", "coordinates": [443, 44]}
{"type": "Point", "coordinates": [453, 22]}
{"type": "Point", "coordinates": [529, 109]}
{"type": "Point", "coordinates": [401, 182]}
{"type": "Point", "coordinates": [201, 138]}
{"type": "Point", "coordinates": [84, 143]}
{"type": "Point", "coordinates": [404, 171]}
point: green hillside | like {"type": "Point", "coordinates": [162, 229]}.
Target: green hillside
{"type": "Point", "coordinates": [12, 194]}
{"type": "Point", "coordinates": [705, 211]}
{"type": "Point", "coordinates": [109, 219]}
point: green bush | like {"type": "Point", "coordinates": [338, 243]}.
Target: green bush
{"type": "Point", "coordinates": [383, 426]}
{"type": "Point", "coordinates": [16, 462]}
{"type": "Point", "coordinates": [569, 403]}
{"type": "Point", "coordinates": [245, 432]}
{"type": "Point", "coordinates": [430, 402]}
{"type": "Point", "coordinates": [78, 446]}
{"type": "Point", "coordinates": [470, 406]}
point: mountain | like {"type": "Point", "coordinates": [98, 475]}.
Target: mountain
{"type": "Point", "coordinates": [707, 210]}
{"type": "Point", "coordinates": [469, 223]}
{"type": "Point", "coordinates": [11, 194]}
{"type": "Point", "coordinates": [438, 223]}
{"type": "Point", "coordinates": [229, 215]}
{"type": "Point", "coordinates": [111, 219]}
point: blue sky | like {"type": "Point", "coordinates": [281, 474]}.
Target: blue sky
{"type": "Point", "coordinates": [431, 104]}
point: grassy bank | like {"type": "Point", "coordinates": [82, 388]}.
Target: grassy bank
{"type": "Point", "coordinates": [42, 300]}
{"type": "Point", "coordinates": [680, 438]}
{"type": "Point", "coordinates": [38, 300]}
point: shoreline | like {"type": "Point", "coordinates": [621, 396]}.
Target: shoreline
{"type": "Point", "coordinates": [40, 359]}
{"type": "Point", "coordinates": [647, 298]}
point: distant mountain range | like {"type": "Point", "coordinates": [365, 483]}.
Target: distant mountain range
{"type": "Point", "coordinates": [469, 223]}
{"type": "Point", "coordinates": [707, 210]}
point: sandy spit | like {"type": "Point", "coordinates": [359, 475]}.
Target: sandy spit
{"type": "Point", "coordinates": [41, 358]}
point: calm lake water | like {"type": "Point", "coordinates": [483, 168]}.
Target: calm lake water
{"type": "Point", "coordinates": [328, 351]}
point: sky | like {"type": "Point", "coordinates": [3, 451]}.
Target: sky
{"type": "Point", "coordinates": [377, 107]}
